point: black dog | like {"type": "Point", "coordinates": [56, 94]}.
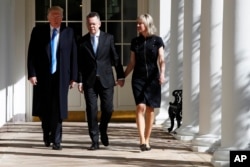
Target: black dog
{"type": "Point", "coordinates": [175, 109]}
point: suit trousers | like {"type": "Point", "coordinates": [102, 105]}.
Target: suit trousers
{"type": "Point", "coordinates": [106, 103]}
{"type": "Point", "coordinates": [51, 119]}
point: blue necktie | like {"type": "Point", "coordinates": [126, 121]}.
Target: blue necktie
{"type": "Point", "coordinates": [53, 44]}
{"type": "Point", "coordinates": [94, 43]}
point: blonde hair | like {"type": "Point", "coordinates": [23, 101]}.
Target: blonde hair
{"type": "Point", "coordinates": [56, 8]}
{"type": "Point", "coordinates": [148, 22]}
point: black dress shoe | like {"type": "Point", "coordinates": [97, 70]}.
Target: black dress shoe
{"type": "Point", "coordinates": [46, 140]}
{"type": "Point", "coordinates": [56, 147]}
{"type": "Point", "coordinates": [104, 139]}
{"type": "Point", "coordinates": [94, 147]}
{"type": "Point", "coordinates": [47, 143]}
{"type": "Point", "coordinates": [170, 129]}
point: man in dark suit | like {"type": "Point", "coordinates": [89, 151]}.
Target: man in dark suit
{"type": "Point", "coordinates": [96, 77]}
{"type": "Point", "coordinates": [52, 70]}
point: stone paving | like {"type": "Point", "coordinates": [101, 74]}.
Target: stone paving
{"type": "Point", "coordinates": [21, 145]}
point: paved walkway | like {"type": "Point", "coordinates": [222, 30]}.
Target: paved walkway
{"type": "Point", "coordinates": [21, 145]}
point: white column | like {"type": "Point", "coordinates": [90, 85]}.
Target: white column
{"type": "Point", "coordinates": [4, 52]}
{"type": "Point", "coordinates": [29, 24]}
{"type": "Point", "coordinates": [191, 67]}
{"type": "Point", "coordinates": [176, 46]}
{"type": "Point", "coordinates": [175, 50]}
{"type": "Point", "coordinates": [235, 132]}
{"type": "Point", "coordinates": [210, 77]}
{"type": "Point", "coordinates": [162, 22]}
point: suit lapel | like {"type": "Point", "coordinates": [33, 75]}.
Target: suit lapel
{"type": "Point", "coordinates": [88, 45]}
{"type": "Point", "coordinates": [47, 35]}
{"type": "Point", "coordinates": [100, 43]}
{"type": "Point", "coordinates": [61, 38]}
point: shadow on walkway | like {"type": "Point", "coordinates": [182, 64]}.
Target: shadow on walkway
{"type": "Point", "coordinates": [22, 145]}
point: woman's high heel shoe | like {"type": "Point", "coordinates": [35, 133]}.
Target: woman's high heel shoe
{"type": "Point", "coordinates": [147, 148]}
{"type": "Point", "coordinates": [143, 147]}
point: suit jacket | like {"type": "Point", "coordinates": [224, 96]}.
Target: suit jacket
{"type": "Point", "coordinates": [39, 56]}
{"type": "Point", "coordinates": [104, 59]}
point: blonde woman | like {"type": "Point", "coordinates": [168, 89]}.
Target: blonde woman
{"type": "Point", "coordinates": [147, 63]}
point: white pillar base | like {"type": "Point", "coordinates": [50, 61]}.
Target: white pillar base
{"type": "Point", "coordinates": [221, 157]}
{"type": "Point", "coordinates": [186, 133]}
{"type": "Point", "coordinates": [205, 143]}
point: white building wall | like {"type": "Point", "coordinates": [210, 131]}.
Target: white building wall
{"type": "Point", "coordinates": [12, 60]}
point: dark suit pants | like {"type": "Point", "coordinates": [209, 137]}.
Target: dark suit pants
{"type": "Point", "coordinates": [106, 99]}
{"type": "Point", "coordinates": [51, 119]}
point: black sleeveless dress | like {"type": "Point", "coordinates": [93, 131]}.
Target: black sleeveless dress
{"type": "Point", "coordinates": [145, 79]}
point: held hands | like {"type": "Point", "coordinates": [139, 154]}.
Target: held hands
{"type": "Point", "coordinates": [80, 88]}
{"type": "Point", "coordinates": [120, 82]}
{"type": "Point", "coordinates": [72, 84]}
